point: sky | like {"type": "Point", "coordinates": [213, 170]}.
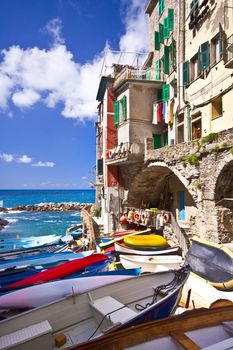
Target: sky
{"type": "Point", "coordinates": [51, 58]}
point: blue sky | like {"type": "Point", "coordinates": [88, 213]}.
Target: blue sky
{"type": "Point", "coordinates": [50, 61]}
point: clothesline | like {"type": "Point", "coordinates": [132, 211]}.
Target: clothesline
{"type": "Point", "coordinates": [163, 111]}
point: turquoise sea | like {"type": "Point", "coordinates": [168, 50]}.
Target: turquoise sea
{"type": "Point", "coordinates": [28, 224]}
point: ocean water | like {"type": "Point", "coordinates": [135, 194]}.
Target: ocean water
{"type": "Point", "coordinates": [27, 224]}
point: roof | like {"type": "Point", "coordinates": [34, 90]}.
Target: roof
{"type": "Point", "coordinates": [150, 6]}
{"type": "Point", "coordinates": [104, 82]}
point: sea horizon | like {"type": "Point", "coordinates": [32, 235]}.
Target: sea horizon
{"type": "Point", "coordinates": [41, 223]}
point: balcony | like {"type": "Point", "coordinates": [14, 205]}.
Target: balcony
{"type": "Point", "coordinates": [138, 75]}
{"type": "Point", "coordinates": [125, 153]}
{"type": "Point", "coordinates": [229, 52]}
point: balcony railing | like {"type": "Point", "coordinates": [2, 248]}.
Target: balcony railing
{"type": "Point", "coordinates": [125, 152]}
{"type": "Point", "coordinates": [138, 74]}
{"type": "Point", "coordinates": [229, 52]}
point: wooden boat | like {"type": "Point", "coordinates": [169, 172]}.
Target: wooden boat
{"type": "Point", "coordinates": [81, 317]}
{"type": "Point", "coordinates": [117, 239]}
{"type": "Point", "coordinates": [60, 271]}
{"type": "Point", "coordinates": [44, 260]}
{"type": "Point", "coordinates": [209, 329]}
{"type": "Point", "coordinates": [124, 249]}
{"type": "Point", "coordinates": [212, 262]}
{"type": "Point", "coordinates": [150, 263]}
{"type": "Point", "coordinates": [43, 294]}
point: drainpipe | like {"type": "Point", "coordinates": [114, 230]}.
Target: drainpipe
{"type": "Point", "coordinates": [189, 122]}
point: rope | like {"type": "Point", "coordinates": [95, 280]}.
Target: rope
{"type": "Point", "coordinates": [165, 288]}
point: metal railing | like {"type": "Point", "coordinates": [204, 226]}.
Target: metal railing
{"type": "Point", "coordinates": [229, 49]}
{"type": "Point", "coordinates": [118, 152]}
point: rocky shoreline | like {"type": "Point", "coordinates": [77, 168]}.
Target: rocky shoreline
{"type": "Point", "coordinates": [42, 207]}
{"type": "Point", "coordinates": [48, 207]}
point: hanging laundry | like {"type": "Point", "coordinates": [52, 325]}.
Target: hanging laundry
{"type": "Point", "coordinates": [165, 112]}
{"type": "Point", "coordinates": [160, 110]}
{"type": "Point", "coordinates": [171, 113]}
{"type": "Point", "coordinates": [155, 114]}
{"type": "Point", "coordinates": [167, 115]}
{"type": "Point", "coordinates": [172, 92]}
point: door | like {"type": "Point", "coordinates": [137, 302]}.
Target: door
{"type": "Point", "coordinates": [157, 141]}
{"type": "Point", "coordinates": [181, 206]}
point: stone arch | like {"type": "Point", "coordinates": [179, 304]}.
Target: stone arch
{"type": "Point", "coordinates": [155, 181]}
{"type": "Point", "coordinates": [224, 165]}
{"type": "Point", "coordinates": [223, 198]}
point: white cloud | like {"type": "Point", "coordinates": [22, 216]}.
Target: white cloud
{"type": "Point", "coordinates": [44, 164]}
{"type": "Point", "coordinates": [25, 98]}
{"type": "Point", "coordinates": [32, 75]}
{"type": "Point", "coordinates": [25, 159]}
{"type": "Point", "coordinates": [83, 177]}
{"type": "Point", "coordinates": [7, 157]}
{"type": "Point", "coordinates": [54, 27]}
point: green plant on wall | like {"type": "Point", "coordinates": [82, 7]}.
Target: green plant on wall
{"type": "Point", "coordinates": [97, 212]}
{"type": "Point", "coordinates": [231, 150]}
{"type": "Point", "coordinates": [192, 159]}
{"type": "Point", "coordinates": [197, 184]}
{"type": "Point", "coordinates": [209, 138]}
{"type": "Point", "coordinates": [216, 150]}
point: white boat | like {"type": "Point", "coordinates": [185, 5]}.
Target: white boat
{"type": "Point", "coordinates": [42, 294]}
{"type": "Point", "coordinates": [88, 315]}
{"type": "Point", "coordinates": [151, 263]}
{"type": "Point", "coordinates": [8, 244]}
{"type": "Point", "coordinates": [122, 248]}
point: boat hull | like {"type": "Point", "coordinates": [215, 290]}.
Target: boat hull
{"type": "Point", "coordinates": [122, 248]}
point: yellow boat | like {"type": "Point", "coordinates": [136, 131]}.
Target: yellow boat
{"type": "Point", "coordinates": [146, 242]}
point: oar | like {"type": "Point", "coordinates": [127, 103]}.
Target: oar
{"type": "Point", "coordinates": [104, 245]}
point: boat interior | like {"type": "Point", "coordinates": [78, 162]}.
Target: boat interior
{"type": "Point", "coordinates": [78, 318]}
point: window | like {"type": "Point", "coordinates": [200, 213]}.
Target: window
{"type": "Point", "coordinates": [166, 59]}
{"type": "Point", "coordinates": [123, 109]}
{"type": "Point", "coordinates": [165, 28]}
{"type": "Point", "coordinates": [172, 55]}
{"type": "Point", "coordinates": [216, 106]}
{"type": "Point", "coordinates": [203, 56]}
{"type": "Point", "coordinates": [161, 7]}
{"type": "Point", "coordinates": [157, 41]}
{"type": "Point", "coordinates": [185, 73]}
{"type": "Point", "coordinates": [180, 128]}
{"type": "Point", "coordinates": [196, 126]}
{"type": "Point", "coordinates": [194, 68]}
{"type": "Point", "coordinates": [158, 70]}
{"type": "Point", "coordinates": [166, 92]}
{"type": "Point", "coordinates": [170, 19]}
{"type": "Point", "coordinates": [161, 39]}
{"type": "Point", "coordinates": [216, 49]}
{"type": "Point", "coordinates": [116, 112]}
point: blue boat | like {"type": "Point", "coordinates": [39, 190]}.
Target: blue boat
{"type": "Point", "coordinates": [10, 244]}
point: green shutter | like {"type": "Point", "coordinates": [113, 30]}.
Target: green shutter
{"type": "Point", "coordinates": [166, 60]}
{"type": "Point", "coordinates": [165, 139]}
{"type": "Point", "coordinates": [185, 73]}
{"type": "Point", "coordinates": [116, 112]}
{"type": "Point", "coordinates": [148, 75]}
{"type": "Point", "coordinates": [160, 95]}
{"type": "Point", "coordinates": [165, 28]}
{"type": "Point", "coordinates": [157, 141]}
{"type": "Point", "coordinates": [124, 107]}
{"type": "Point", "coordinates": [166, 92]}
{"type": "Point", "coordinates": [172, 46]}
{"type": "Point", "coordinates": [170, 19]}
{"type": "Point", "coordinates": [205, 60]}
{"type": "Point", "coordinates": [161, 7]}
{"type": "Point", "coordinates": [161, 33]}
{"type": "Point", "coordinates": [157, 42]}
{"type": "Point", "coordinates": [158, 70]}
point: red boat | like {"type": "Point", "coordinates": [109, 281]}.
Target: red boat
{"type": "Point", "coordinates": [60, 271]}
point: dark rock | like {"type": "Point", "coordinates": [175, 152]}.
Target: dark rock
{"type": "Point", "coordinates": [3, 223]}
